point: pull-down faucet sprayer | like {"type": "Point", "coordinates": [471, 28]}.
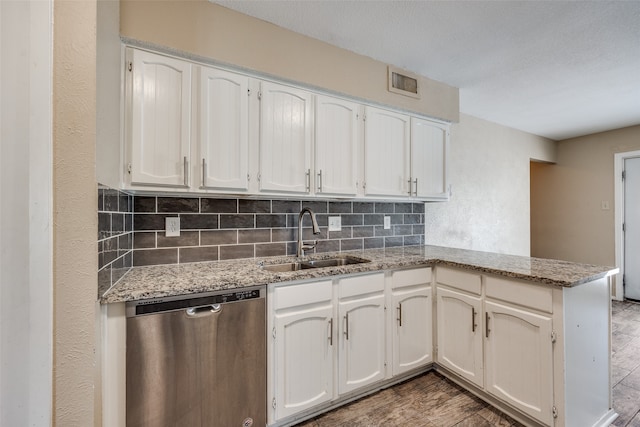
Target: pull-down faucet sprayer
{"type": "Point", "coordinates": [316, 230]}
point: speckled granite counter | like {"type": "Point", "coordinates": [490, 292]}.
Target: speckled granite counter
{"type": "Point", "coordinates": [183, 279]}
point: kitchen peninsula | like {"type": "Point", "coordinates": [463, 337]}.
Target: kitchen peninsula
{"type": "Point", "coordinates": [530, 336]}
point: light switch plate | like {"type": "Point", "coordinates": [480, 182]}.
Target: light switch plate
{"type": "Point", "coordinates": [172, 226]}
{"type": "Point", "coordinates": [387, 222]}
{"type": "Point", "coordinates": [335, 223]}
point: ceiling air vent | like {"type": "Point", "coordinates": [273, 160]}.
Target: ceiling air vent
{"type": "Point", "coordinates": [403, 82]}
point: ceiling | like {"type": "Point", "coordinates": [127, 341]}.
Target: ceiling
{"type": "Point", "coordinates": [558, 69]}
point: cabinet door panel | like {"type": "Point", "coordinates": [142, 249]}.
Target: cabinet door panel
{"type": "Point", "coordinates": [386, 153]}
{"type": "Point", "coordinates": [460, 334]}
{"type": "Point", "coordinates": [336, 146]}
{"type": "Point", "coordinates": [304, 359]}
{"type": "Point", "coordinates": [412, 344]}
{"type": "Point", "coordinates": [285, 139]}
{"type": "Point", "coordinates": [362, 349]}
{"type": "Point", "coordinates": [519, 359]}
{"type": "Point", "coordinates": [224, 121]}
{"type": "Point", "coordinates": [429, 150]}
{"type": "Point", "coordinates": [160, 120]}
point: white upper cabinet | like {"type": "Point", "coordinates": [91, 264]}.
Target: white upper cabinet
{"type": "Point", "coordinates": [429, 159]}
{"type": "Point", "coordinates": [223, 161]}
{"type": "Point", "coordinates": [285, 139]}
{"type": "Point", "coordinates": [159, 119]}
{"type": "Point", "coordinates": [336, 146]}
{"type": "Point", "coordinates": [387, 153]}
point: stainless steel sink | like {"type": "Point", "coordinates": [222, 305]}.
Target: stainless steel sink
{"type": "Point", "coordinates": [290, 266]}
{"type": "Point", "coordinates": [316, 263]}
{"type": "Point", "coordinates": [336, 262]}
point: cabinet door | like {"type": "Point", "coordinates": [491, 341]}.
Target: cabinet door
{"type": "Point", "coordinates": [519, 359]}
{"type": "Point", "coordinates": [285, 139]}
{"type": "Point", "coordinates": [429, 150]}
{"type": "Point", "coordinates": [387, 164]}
{"type": "Point", "coordinates": [224, 124]}
{"type": "Point", "coordinates": [362, 343]}
{"type": "Point", "coordinates": [412, 345]}
{"type": "Point", "coordinates": [336, 146]}
{"type": "Point", "coordinates": [460, 334]}
{"type": "Point", "coordinates": [159, 135]}
{"type": "Point", "coordinates": [304, 358]}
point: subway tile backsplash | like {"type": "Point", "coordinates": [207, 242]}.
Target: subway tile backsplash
{"type": "Point", "coordinates": [218, 229]}
{"type": "Point", "coordinates": [115, 236]}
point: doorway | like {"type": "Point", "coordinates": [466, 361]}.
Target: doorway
{"type": "Point", "coordinates": [627, 233]}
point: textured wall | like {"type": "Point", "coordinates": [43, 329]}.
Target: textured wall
{"type": "Point", "coordinates": [75, 217]}
{"type": "Point", "coordinates": [567, 219]}
{"type": "Point", "coordinates": [489, 174]}
{"type": "Point", "coordinates": [211, 31]}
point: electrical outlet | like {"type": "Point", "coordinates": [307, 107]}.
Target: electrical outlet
{"type": "Point", "coordinates": [335, 223]}
{"type": "Point", "coordinates": [172, 226]}
{"type": "Point", "coordinates": [387, 222]}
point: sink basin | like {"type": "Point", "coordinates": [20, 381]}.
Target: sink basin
{"type": "Point", "coordinates": [317, 263]}
{"type": "Point", "coordinates": [335, 262]}
{"type": "Point", "coordinates": [290, 266]}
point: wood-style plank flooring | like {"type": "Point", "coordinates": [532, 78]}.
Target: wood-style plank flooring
{"type": "Point", "coordinates": [433, 401]}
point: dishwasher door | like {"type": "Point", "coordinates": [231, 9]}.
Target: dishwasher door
{"type": "Point", "coordinates": [203, 366]}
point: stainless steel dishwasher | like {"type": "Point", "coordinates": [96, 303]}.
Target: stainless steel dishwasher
{"type": "Point", "coordinates": [197, 361]}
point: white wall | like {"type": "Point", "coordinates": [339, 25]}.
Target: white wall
{"type": "Point", "coordinates": [489, 173]}
{"type": "Point", "coordinates": [25, 214]}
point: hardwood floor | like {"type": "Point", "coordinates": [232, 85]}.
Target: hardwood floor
{"type": "Point", "coordinates": [625, 363]}
{"type": "Point", "coordinates": [433, 401]}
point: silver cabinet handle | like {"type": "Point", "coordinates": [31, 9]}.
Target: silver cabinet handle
{"type": "Point", "coordinates": [410, 185]}
{"type": "Point", "coordinates": [415, 191]}
{"type": "Point", "coordinates": [320, 181]}
{"type": "Point", "coordinates": [486, 324]}
{"type": "Point", "coordinates": [204, 173]}
{"type": "Point", "coordinates": [346, 326]}
{"type": "Point", "coordinates": [186, 172]}
{"type": "Point", "coordinates": [399, 314]}
{"type": "Point", "coordinates": [308, 176]}
{"type": "Point", "coordinates": [331, 331]}
{"type": "Point", "coordinates": [473, 319]}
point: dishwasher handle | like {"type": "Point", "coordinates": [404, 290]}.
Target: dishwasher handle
{"type": "Point", "coordinates": [206, 310]}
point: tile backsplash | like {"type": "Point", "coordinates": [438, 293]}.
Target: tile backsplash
{"type": "Point", "coordinates": [217, 229]}
{"type": "Point", "coordinates": [115, 236]}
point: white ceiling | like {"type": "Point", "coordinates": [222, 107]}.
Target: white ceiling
{"type": "Point", "coordinates": [559, 69]}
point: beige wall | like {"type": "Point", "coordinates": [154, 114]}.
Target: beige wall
{"type": "Point", "coordinates": [567, 219]}
{"type": "Point", "coordinates": [75, 261]}
{"type": "Point", "coordinates": [489, 174]}
{"type": "Point", "coordinates": [211, 31]}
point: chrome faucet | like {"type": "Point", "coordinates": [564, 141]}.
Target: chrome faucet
{"type": "Point", "coordinates": [316, 230]}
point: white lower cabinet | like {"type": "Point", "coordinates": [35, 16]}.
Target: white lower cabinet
{"type": "Point", "coordinates": [411, 314]}
{"type": "Point", "coordinates": [459, 334]}
{"type": "Point", "coordinates": [329, 338]}
{"type": "Point", "coordinates": [303, 351]}
{"type": "Point", "coordinates": [497, 334]}
{"type": "Point", "coordinates": [519, 359]}
{"type": "Point", "coordinates": [362, 331]}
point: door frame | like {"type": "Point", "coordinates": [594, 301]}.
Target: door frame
{"type": "Point", "coordinates": [619, 159]}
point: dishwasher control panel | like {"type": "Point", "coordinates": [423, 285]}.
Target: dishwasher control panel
{"type": "Point", "coordinates": [160, 305]}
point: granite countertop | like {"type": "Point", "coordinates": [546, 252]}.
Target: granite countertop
{"type": "Point", "coordinates": [183, 279]}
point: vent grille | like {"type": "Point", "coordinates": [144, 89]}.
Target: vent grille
{"type": "Point", "coordinates": [403, 82]}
